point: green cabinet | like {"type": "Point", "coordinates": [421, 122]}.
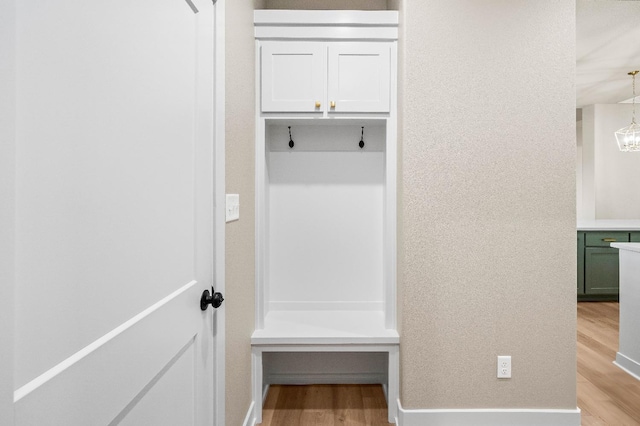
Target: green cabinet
{"type": "Point", "coordinates": [604, 239]}
{"type": "Point", "coordinates": [634, 237]}
{"type": "Point", "coordinates": [598, 264]}
{"type": "Point", "coordinates": [580, 262]}
{"type": "Point", "coordinates": [601, 270]}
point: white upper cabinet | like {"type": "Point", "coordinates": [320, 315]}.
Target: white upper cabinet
{"type": "Point", "coordinates": [359, 77]}
{"type": "Point", "coordinates": [326, 63]}
{"type": "Point", "coordinates": [293, 76]}
{"type": "Point", "coordinates": [333, 77]}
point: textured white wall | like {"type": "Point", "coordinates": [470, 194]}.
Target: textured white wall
{"type": "Point", "coordinates": [240, 235]}
{"type": "Point", "coordinates": [488, 203]}
{"type": "Point", "coordinates": [615, 196]}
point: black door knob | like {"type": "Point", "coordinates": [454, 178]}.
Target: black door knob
{"type": "Point", "coordinates": [213, 298]}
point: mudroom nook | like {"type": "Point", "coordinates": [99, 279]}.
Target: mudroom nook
{"type": "Point", "coordinates": [326, 178]}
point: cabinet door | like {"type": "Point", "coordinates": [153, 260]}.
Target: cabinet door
{"type": "Point", "coordinates": [634, 237]}
{"type": "Point", "coordinates": [580, 263]}
{"type": "Point", "coordinates": [601, 270]}
{"type": "Point", "coordinates": [293, 75]}
{"type": "Point", "coordinates": [359, 77]}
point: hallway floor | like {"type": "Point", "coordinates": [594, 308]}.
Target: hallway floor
{"type": "Point", "coordinates": [607, 395]}
{"type": "Point", "coordinates": [325, 405]}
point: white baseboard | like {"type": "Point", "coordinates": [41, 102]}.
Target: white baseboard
{"type": "Point", "coordinates": [250, 418]}
{"type": "Point", "coordinates": [627, 364]}
{"type": "Point", "coordinates": [487, 417]}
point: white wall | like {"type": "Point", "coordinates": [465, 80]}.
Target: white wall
{"type": "Point", "coordinates": [587, 209]}
{"type": "Point", "coordinates": [488, 203]}
{"type": "Point", "coordinates": [579, 169]}
{"type": "Point", "coordinates": [309, 243]}
{"type": "Point", "coordinates": [609, 177]}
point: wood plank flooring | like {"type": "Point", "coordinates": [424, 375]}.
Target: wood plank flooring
{"type": "Point", "coordinates": [325, 405]}
{"type": "Point", "coordinates": [607, 395]}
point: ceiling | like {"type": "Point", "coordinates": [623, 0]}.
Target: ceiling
{"type": "Point", "coordinates": [607, 48]}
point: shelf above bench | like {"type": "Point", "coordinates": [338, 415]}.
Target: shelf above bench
{"type": "Point", "coordinates": [324, 328]}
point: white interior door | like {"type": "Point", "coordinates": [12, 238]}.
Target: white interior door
{"type": "Point", "coordinates": [114, 213]}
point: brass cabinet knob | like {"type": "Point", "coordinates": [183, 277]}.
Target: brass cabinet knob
{"type": "Point", "coordinates": [333, 104]}
{"type": "Point", "coordinates": [317, 104]}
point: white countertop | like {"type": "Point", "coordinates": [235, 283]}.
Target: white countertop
{"type": "Point", "coordinates": [627, 246]}
{"type": "Point", "coordinates": [609, 225]}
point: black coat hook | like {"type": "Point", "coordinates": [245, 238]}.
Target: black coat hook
{"type": "Point", "coordinates": [361, 143]}
{"type": "Point", "coordinates": [290, 139]}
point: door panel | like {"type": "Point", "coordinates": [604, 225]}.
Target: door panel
{"type": "Point", "coordinates": [114, 211]}
{"type": "Point", "coordinates": [602, 270]}
{"type": "Point", "coordinates": [98, 384]}
{"type": "Point", "coordinates": [96, 190]}
{"type": "Point", "coordinates": [359, 77]}
{"type": "Point", "coordinates": [169, 401]}
{"type": "Point", "coordinates": [293, 76]}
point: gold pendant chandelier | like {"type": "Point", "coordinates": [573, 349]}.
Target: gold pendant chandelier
{"type": "Point", "coordinates": [629, 137]}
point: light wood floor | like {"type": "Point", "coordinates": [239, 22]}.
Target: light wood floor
{"type": "Point", "coordinates": [607, 395]}
{"type": "Point", "coordinates": [325, 405]}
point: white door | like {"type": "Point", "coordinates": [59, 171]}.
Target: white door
{"type": "Point", "coordinates": [293, 76]}
{"type": "Point", "coordinates": [359, 76]}
{"type": "Point", "coordinates": [114, 213]}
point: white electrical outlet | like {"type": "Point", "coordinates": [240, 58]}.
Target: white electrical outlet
{"type": "Point", "coordinates": [504, 366]}
{"type": "Point", "coordinates": [232, 207]}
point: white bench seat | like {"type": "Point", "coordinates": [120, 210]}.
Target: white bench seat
{"type": "Point", "coordinates": [324, 328]}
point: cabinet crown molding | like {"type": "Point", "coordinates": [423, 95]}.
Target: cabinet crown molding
{"type": "Point", "coordinates": [273, 24]}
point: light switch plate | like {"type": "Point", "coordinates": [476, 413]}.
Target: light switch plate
{"type": "Point", "coordinates": [232, 207]}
